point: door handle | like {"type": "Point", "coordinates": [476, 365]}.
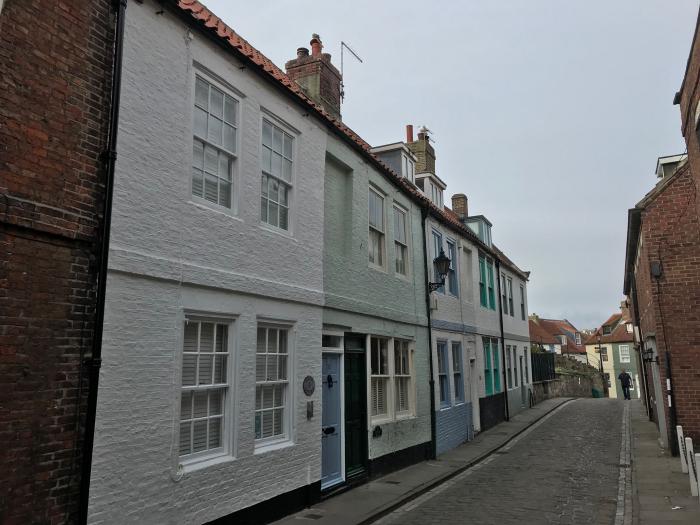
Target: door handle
{"type": "Point", "coordinates": [329, 430]}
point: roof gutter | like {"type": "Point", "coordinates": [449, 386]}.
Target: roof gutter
{"type": "Point", "coordinates": [109, 157]}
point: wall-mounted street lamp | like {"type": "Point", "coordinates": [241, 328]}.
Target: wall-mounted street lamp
{"type": "Point", "coordinates": [648, 355]}
{"type": "Point", "coordinates": [442, 266]}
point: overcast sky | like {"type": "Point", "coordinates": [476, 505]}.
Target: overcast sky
{"type": "Point", "coordinates": [548, 114]}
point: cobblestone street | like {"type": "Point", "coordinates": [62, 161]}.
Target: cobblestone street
{"type": "Point", "coordinates": [563, 470]}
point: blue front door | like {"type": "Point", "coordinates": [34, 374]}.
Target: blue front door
{"type": "Point", "coordinates": [331, 421]}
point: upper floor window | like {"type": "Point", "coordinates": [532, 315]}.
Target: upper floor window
{"type": "Point", "coordinates": [452, 273]}
{"type": "Point", "coordinates": [483, 295]}
{"type": "Point", "coordinates": [504, 302]}
{"type": "Point", "coordinates": [607, 329]}
{"type": "Point", "coordinates": [491, 288]}
{"type": "Point", "coordinates": [436, 195]}
{"type": "Point", "coordinates": [578, 338]}
{"type": "Point", "coordinates": [510, 296]}
{"type": "Point", "coordinates": [204, 388]}
{"type": "Point", "coordinates": [437, 247]}
{"type": "Point", "coordinates": [400, 241]}
{"type": "Point", "coordinates": [276, 185]}
{"type": "Point", "coordinates": [522, 302]}
{"type": "Point", "coordinates": [376, 228]}
{"type": "Point", "coordinates": [624, 353]}
{"type": "Point", "coordinates": [214, 145]}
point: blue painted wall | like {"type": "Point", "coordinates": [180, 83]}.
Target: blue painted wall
{"type": "Point", "coordinates": [454, 427]}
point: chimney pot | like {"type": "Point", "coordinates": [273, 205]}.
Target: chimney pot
{"type": "Point", "coordinates": [316, 45]}
{"type": "Point", "coordinates": [409, 133]}
{"type": "Point", "coordinates": [302, 52]}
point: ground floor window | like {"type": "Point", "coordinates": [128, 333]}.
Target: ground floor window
{"type": "Point", "coordinates": [492, 379]}
{"type": "Point", "coordinates": [204, 388]}
{"type": "Point", "coordinates": [271, 383]}
{"type": "Point", "coordinates": [457, 372]}
{"type": "Point", "coordinates": [391, 376]}
{"type": "Point", "coordinates": [443, 374]}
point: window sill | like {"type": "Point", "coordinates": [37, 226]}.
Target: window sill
{"type": "Point", "coordinates": [381, 421]}
{"type": "Point", "coordinates": [194, 464]}
{"type": "Point", "coordinates": [277, 231]}
{"type": "Point", "coordinates": [269, 446]}
{"type": "Point", "coordinates": [211, 207]}
{"type": "Point", "coordinates": [405, 417]}
{"type": "Point", "coordinates": [372, 266]}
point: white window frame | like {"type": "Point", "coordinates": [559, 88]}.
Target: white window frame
{"type": "Point", "coordinates": [504, 298]}
{"type": "Point", "coordinates": [400, 209]}
{"type": "Point", "coordinates": [408, 167]}
{"type": "Point", "coordinates": [232, 155]}
{"type": "Point", "coordinates": [578, 338]}
{"type": "Point", "coordinates": [457, 345]}
{"type": "Point", "coordinates": [381, 233]}
{"type": "Point", "coordinates": [410, 412]}
{"type": "Point", "coordinates": [385, 378]}
{"type": "Point", "coordinates": [628, 357]}
{"type": "Point", "coordinates": [445, 372]}
{"type": "Point", "coordinates": [452, 254]}
{"type": "Point", "coordinates": [522, 303]}
{"type": "Point", "coordinates": [511, 305]}
{"type": "Point", "coordinates": [281, 181]}
{"type": "Point", "coordinates": [203, 458]}
{"type": "Point", "coordinates": [263, 444]}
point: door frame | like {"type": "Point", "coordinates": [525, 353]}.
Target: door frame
{"type": "Point", "coordinates": [340, 352]}
{"type": "Point", "coordinates": [364, 352]}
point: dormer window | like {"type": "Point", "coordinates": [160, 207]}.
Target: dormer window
{"type": "Point", "coordinates": [408, 167]}
{"type": "Point", "coordinates": [436, 195]}
{"type": "Point", "coordinates": [481, 227]}
{"type": "Point", "coordinates": [607, 330]}
{"type": "Point", "coordinates": [578, 338]}
{"type": "Point", "coordinates": [563, 340]}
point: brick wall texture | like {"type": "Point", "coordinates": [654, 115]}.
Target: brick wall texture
{"type": "Point", "coordinates": [670, 308]}
{"type": "Point", "coordinates": [55, 63]}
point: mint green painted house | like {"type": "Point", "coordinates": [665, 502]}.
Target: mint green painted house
{"type": "Point", "coordinates": [374, 320]}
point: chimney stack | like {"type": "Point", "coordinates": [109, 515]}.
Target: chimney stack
{"type": "Point", "coordinates": [317, 76]}
{"type": "Point", "coordinates": [460, 206]}
{"type": "Point", "coordinates": [424, 152]}
{"type": "Point", "coordinates": [409, 133]}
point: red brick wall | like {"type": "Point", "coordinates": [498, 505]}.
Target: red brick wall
{"type": "Point", "coordinates": [670, 234]}
{"type": "Point", "coordinates": [55, 63]}
{"type": "Point", "coordinates": [690, 96]}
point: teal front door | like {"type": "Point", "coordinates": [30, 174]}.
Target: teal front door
{"type": "Point", "coordinates": [331, 422]}
{"type": "Point", "coordinates": [355, 407]}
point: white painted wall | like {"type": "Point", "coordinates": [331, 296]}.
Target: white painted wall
{"type": "Point", "coordinates": [170, 254]}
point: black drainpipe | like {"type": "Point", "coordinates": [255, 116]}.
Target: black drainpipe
{"type": "Point", "coordinates": [503, 338]}
{"type": "Point", "coordinates": [433, 430]}
{"type": "Point", "coordinates": [641, 362]}
{"type": "Point", "coordinates": [109, 157]}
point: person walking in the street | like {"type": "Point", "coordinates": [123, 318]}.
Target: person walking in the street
{"type": "Point", "coordinates": [626, 381]}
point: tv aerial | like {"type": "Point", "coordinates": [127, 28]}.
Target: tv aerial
{"type": "Point", "coordinates": [344, 46]}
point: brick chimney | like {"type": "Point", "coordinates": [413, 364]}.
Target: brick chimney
{"type": "Point", "coordinates": [459, 206]}
{"type": "Point", "coordinates": [315, 74]}
{"type": "Point", "coordinates": [424, 152]}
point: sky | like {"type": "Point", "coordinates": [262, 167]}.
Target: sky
{"type": "Point", "coordinates": [548, 114]}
